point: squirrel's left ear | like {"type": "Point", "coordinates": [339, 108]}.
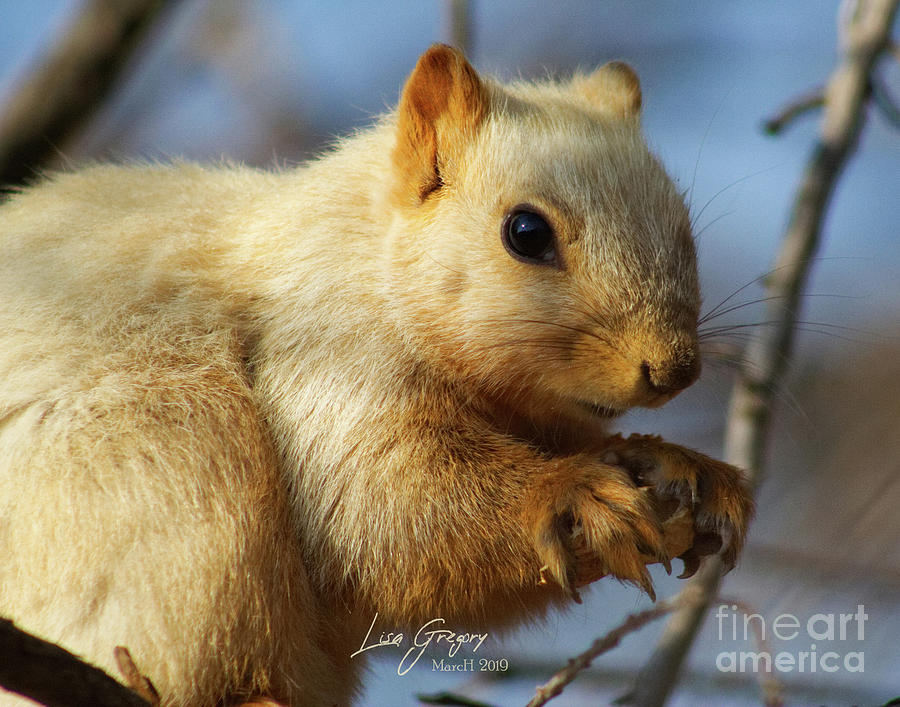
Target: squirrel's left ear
{"type": "Point", "coordinates": [442, 104]}
{"type": "Point", "coordinates": [614, 88]}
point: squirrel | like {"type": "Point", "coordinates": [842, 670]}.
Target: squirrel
{"type": "Point", "coordinates": [244, 411]}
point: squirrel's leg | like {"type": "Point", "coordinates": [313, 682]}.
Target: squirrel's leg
{"type": "Point", "coordinates": [480, 527]}
{"type": "Point", "coordinates": [461, 522]}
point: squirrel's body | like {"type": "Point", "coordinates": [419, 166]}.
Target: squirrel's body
{"type": "Point", "coordinates": [242, 411]}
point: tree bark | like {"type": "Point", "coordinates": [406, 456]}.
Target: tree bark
{"type": "Point", "coordinates": [70, 84]}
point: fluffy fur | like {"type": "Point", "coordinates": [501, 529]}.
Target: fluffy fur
{"type": "Point", "coordinates": [241, 411]}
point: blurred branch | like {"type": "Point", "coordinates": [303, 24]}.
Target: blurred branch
{"type": "Point", "coordinates": [71, 83]}
{"type": "Point", "coordinates": [769, 685]}
{"type": "Point", "coordinates": [459, 27]}
{"type": "Point", "coordinates": [794, 109]}
{"type": "Point", "coordinates": [449, 698]}
{"type": "Point", "coordinates": [554, 686]}
{"type": "Point", "coordinates": [864, 36]}
{"type": "Point", "coordinates": [51, 676]}
{"type": "Point", "coordinates": [887, 106]}
{"type": "Point", "coordinates": [768, 354]}
{"type": "Point", "coordinates": [133, 678]}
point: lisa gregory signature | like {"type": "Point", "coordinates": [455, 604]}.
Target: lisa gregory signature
{"type": "Point", "coordinates": [428, 634]}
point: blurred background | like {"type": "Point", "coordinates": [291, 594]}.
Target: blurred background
{"type": "Point", "coordinates": [273, 82]}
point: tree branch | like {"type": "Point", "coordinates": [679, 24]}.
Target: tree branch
{"type": "Point", "coordinates": [71, 84]}
{"type": "Point", "coordinates": [794, 109]}
{"type": "Point", "coordinates": [554, 686]}
{"type": "Point", "coordinates": [459, 26]}
{"type": "Point", "coordinates": [768, 354]}
{"type": "Point", "coordinates": [769, 685]}
{"type": "Point", "coordinates": [52, 676]}
{"type": "Point", "coordinates": [133, 678]}
{"type": "Point", "coordinates": [864, 38]}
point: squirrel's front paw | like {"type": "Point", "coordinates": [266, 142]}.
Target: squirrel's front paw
{"type": "Point", "coordinates": [590, 520]}
{"type": "Point", "coordinates": [713, 493]}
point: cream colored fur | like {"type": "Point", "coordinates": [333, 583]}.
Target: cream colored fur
{"type": "Point", "coordinates": [241, 411]}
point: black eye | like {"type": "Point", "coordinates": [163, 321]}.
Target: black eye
{"type": "Point", "coordinates": [528, 237]}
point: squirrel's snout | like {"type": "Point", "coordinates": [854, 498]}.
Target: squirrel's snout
{"type": "Point", "coordinates": [672, 375]}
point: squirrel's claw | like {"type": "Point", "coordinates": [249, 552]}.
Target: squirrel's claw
{"type": "Point", "coordinates": [691, 564]}
{"type": "Point", "coordinates": [714, 493]}
{"type": "Point", "coordinates": [646, 584]}
{"type": "Point", "coordinates": [598, 523]}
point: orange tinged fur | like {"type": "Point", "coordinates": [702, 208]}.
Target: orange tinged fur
{"type": "Point", "coordinates": [242, 411]}
{"type": "Point", "coordinates": [442, 105]}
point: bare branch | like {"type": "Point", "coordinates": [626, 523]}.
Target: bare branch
{"type": "Point", "coordinates": [794, 109]}
{"type": "Point", "coordinates": [71, 83]}
{"type": "Point", "coordinates": [52, 676]}
{"type": "Point", "coordinates": [459, 28]}
{"type": "Point", "coordinates": [660, 673]}
{"type": "Point", "coordinates": [133, 678]}
{"type": "Point", "coordinates": [769, 686]}
{"type": "Point", "coordinates": [887, 106]}
{"type": "Point", "coordinates": [555, 685]}
{"type": "Point", "coordinates": [863, 39]}
{"type": "Point", "coordinates": [449, 698]}
{"type": "Point", "coordinates": [841, 123]}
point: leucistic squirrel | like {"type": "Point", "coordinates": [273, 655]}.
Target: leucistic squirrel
{"type": "Point", "coordinates": [243, 411]}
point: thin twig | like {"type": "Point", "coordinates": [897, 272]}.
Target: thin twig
{"type": "Point", "coordinates": [52, 676]}
{"type": "Point", "coordinates": [554, 686]}
{"type": "Point", "coordinates": [770, 687]}
{"type": "Point", "coordinates": [70, 84]}
{"type": "Point", "coordinates": [864, 37]}
{"type": "Point", "coordinates": [793, 110]}
{"type": "Point", "coordinates": [887, 106]}
{"type": "Point", "coordinates": [459, 28]}
{"type": "Point", "coordinates": [451, 699]}
{"type": "Point", "coordinates": [133, 678]}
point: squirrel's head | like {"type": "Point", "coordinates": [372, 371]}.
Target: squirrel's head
{"type": "Point", "coordinates": [536, 243]}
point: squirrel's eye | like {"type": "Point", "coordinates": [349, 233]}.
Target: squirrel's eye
{"type": "Point", "coordinates": [528, 237]}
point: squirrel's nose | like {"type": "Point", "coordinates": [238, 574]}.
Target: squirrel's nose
{"type": "Point", "coordinates": [672, 375]}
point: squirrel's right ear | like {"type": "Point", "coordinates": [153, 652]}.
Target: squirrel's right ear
{"type": "Point", "coordinates": [441, 107]}
{"type": "Point", "coordinates": [614, 88]}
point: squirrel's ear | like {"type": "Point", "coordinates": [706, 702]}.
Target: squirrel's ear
{"type": "Point", "coordinates": [613, 88]}
{"type": "Point", "coordinates": [442, 104]}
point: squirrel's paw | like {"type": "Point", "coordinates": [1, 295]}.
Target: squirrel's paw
{"type": "Point", "coordinates": [682, 483]}
{"type": "Point", "coordinates": [591, 521]}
